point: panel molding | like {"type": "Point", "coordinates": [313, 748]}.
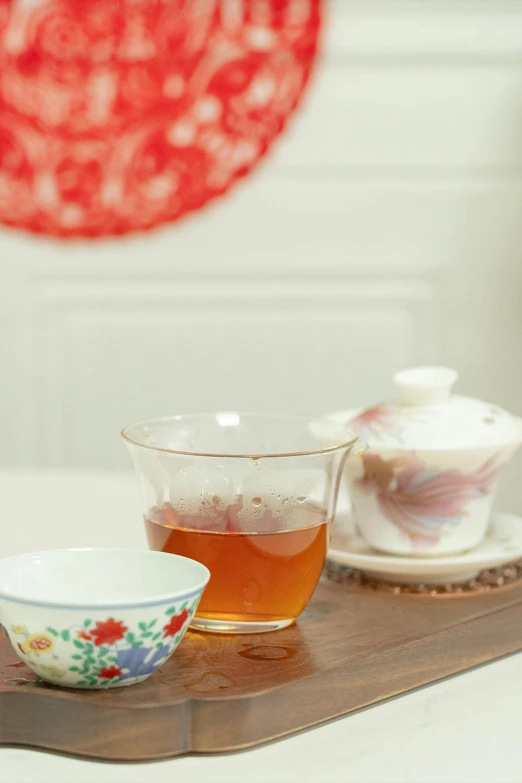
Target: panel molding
{"type": "Point", "coordinates": [64, 305]}
{"type": "Point", "coordinates": [427, 32]}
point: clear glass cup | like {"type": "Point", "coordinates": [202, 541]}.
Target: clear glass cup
{"type": "Point", "coordinates": [249, 495]}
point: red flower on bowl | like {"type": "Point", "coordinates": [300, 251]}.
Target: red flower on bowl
{"type": "Point", "coordinates": [108, 632]}
{"type": "Point", "coordinates": [176, 623]}
{"type": "Point", "coordinates": [109, 673]}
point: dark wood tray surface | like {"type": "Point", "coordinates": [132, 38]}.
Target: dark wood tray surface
{"type": "Point", "coordinates": [353, 647]}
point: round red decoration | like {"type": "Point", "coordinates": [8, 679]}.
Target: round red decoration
{"type": "Point", "coordinates": [119, 115]}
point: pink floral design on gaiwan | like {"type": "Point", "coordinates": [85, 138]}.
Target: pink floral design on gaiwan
{"type": "Point", "coordinates": [379, 420]}
{"type": "Point", "coordinates": [420, 500]}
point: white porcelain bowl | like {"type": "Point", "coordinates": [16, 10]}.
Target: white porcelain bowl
{"type": "Point", "coordinates": [98, 618]}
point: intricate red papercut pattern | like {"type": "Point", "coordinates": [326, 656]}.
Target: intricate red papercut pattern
{"type": "Point", "coordinates": [119, 115]}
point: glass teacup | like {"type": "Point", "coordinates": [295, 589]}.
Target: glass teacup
{"type": "Point", "coordinates": [249, 495]}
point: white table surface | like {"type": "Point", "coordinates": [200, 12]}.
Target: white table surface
{"type": "Point", "coordinates": [463, 730]}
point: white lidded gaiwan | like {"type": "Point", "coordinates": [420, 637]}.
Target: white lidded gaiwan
{"type": "Point", "coordinates": [426, 485]}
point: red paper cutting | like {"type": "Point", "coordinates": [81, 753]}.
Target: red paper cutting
{"type": "Point", "coordinates": [119, 115]}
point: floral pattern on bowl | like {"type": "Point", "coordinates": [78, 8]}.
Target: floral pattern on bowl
{"type": "Point", "coordinates": [420, 500]}
{"type": "Point", "coordinates": [105, 652]}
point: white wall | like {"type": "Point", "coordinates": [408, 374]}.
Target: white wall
{"type": "Point", "coordinates": [385, 230]}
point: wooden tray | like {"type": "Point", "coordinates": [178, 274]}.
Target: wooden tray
{"type": "Point", "coordinates": [353, 647]}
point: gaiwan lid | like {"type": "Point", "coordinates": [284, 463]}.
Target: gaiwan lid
{"type": "Point", "coordinates": [428, 416]}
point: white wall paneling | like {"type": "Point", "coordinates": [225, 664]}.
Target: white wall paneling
{"type": "Point", "coordinates": [150, 345]}
{"type": "Point", "coordinates": [408, 114]}
{"type": "Point", "coordinates": [384, 229]}
{"type": "Point", "coordinates": [437, 31]}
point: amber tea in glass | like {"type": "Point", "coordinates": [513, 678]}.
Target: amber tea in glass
{"type": "Point", "coordinates": [251, 497]}
{"type": "Point", "coordinates": [256, 575]}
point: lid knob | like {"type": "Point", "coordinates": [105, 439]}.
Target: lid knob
{"type": "Point", "coordinates": [425, 385]}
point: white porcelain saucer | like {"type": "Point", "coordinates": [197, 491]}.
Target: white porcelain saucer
{"type": "Point", "coordinates": [503, 544]}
